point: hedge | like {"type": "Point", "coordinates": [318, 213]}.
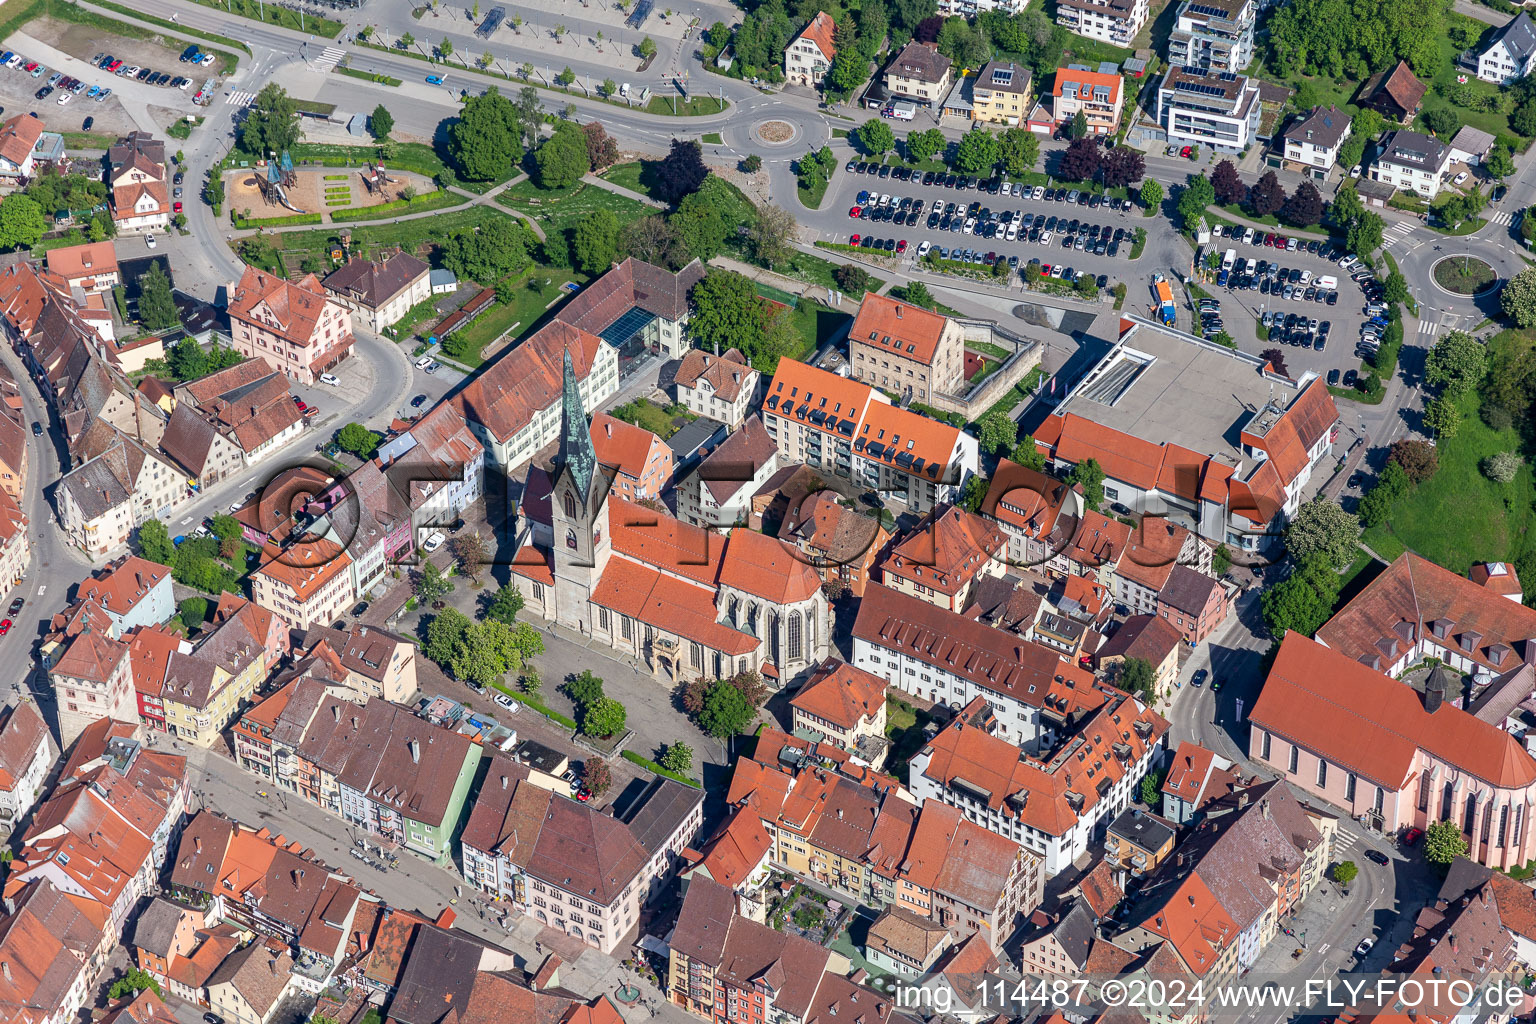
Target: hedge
{"type": "Point", "coordinates": [537, 705]}
{"type": "Point", "coordinates": [430, 201]}
{"type": "Point", "coordinates": [649, 765]}
{"type": "Point", "coordinates": [275, 222]}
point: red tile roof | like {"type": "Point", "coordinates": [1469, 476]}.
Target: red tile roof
{"type": "Point", "coordinates": [1414, 599]}
{"type": "Point", "coordinates": [730, 857]}
{"type": "Point", "coordinates": [727, 374]}
{"type": "Point", "coordinates": [1194, 778]}
{"type": "Point", "coordinates": [669, 603]}
{"type": "Point", "coordinates": [89, 260]}
{"type": "Point", "coordinates": [525, 379]}
{"type": "Point", "coordinates": [18, 137]}
{"type": "Point", "coordinates": [1329, 703]}
{"type": "Point", "coordinates": [1086, 80]}
{"type": "Point", "coordinates": [291, 309]}
{"type": "Point", "coordinates": [946, 550]}
{"type": "Point", "coordinates": [621, 445]}
{"type": "Point", "coordinates": [898, 327]}
{"type": "Point", "coordinates": [841, 694]}
{"type": "Point", "coordinates": [1099, 541]}
{"type": "Point", "coordinates": [1024, 498]}
{"type": "Point", "coordinates": [820, 30]}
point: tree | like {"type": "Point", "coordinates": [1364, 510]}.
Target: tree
{"type": "Point", "coordinates": [1151, 788]}
{"type": "Point", "coordinates": [997, 433]}
{"type": "Point", "coordinates": [964, 43]}
{"type": "Point", "coordinates": [445, 635]}
{"type": "Point", "coordinates": [752, 164]}
{"type": "Point", "coordinates": [1026, 454]}
{"type": "Point", "coordinates": [430, 585]}
{"type": "Point", "coordinates": [407, 40]}
{"type": "Point", "coordinates": [772, 235]}
{"type": "Point", "coordinates": [1442, 417]}
{"type": "Point", "coordinates": [1364, 236]}
{"type": "Point", "coordinates": [595, 241]}
{"type": "Point", "coordinates": [1137, 675]}
{"type": "Point", "coordinates": [609, 87]}
{"type": "Point", "coordinates": [1321, 527]}
{"type": "Point", "coordinates": [726, 711]}
{"type": "Point", "coordinates": [602, 150]}
{"type": "Point", "coordinates": [1344, 872]}
{"type": "Point", "coordinates": [380, 123]}
{"type": "Point", "coordinates": [562, 159]}
{"type": "Point", "coordinates": [1267, 197]}
{"type": "Point", "coordinates": [488, 650]}
{"type": "Point", "coordinates": [193, 612]}
{"type": "Point", "coordinates": [725, 307]}
{"type": "Point", "coordinates": [1457, 363]}
{"type": "Point", "coordinates": [470, 552]}
{"type": "Point", "coordinates": [603, 717]}
{"type": "Point", "coordinates": [1442, 121]}
{"type": "Point", "coordinates": [678, 758]}
{"type": "Point", "coordinates": [1276, 357]}
{"type": "Point", "coordinates": [653, 240]}
{"type": "Point", "coordinates": [487, 139]}
{"type": "Point", "coordinates": [1500, 162]}
{"type": "Point", "coordinates": [271, 124]}
{"type": "Point", "coordinates": [583, 688]}
{"type": "Point", "coordinates": [700, 225]}
{"type": "Point", "coordinates": [132, 983]}
{"type": "Point", "coordinates": [1304, 207]}
{"type": "Point", "coordinates": [445, 48]}
{"type": "Point", "coordinates": [1122, 167]}
{"type": "Point", "coordinates": [1443, 843]}
{"type": "Point", "coordinates": [1221, 559]}
{"type": "Point", "coordinates": [357, 439]}
{"type": "Point", "coordinates": [1303, 601]}
{"type": "Point", "coordinates": [875, 137]}
{"type": "Point", "coordinates": [1088, 475]}
{"type": "Point", "coordinates": [681, 171]}
{"type": "Point", "coordinates": [155, 540]}
{"type": "Point", "coordinates": [1395, 289]}
{"type": "Point", "coordinates": [977, 152]}
{"type": "Point", "coordinates": [499, 248]}
{"type": "Point", "coordinates": [647, 48]}
{"type": "Point", "coordinates": [505, 606]}
{"type": "Point", "coordinates": [1077, 128]}
{"type": "Point", "coordinates": [1151, 193]}
{"type": "Point", "coordinates": [22, 222]}
{"type": "Point", "coordinates": [917, 294]}
{"type": "Point", "coordinates": [924, 144]}
{"type": "Point", "coordinates": [1193, 201]}
{"type": "Point", "coordinates": [157, 308]}
{"type": "Point", "coordinates": [849, 67]}
{"type": "Point", "coordinates": [1390, 488]}
{"type": "Point", "coordinates": [596, 776]}
{"type": "Point", "coordinates": [1518, 299]}
{"type": "Point", "coordinates": [1419, 459]}
{"type": "Point", "coordinates": [1229, 187]}
{"type": "Point", "coordinates": [852, 278]}
{"type": "Point", "coordinates": [1019, 150]}
{"type": "Point", "coordinates": [1080, 161]}
{"type": "Point", "coordinates": [1346, 206]}
{"type": "Point", "coordinates": [1501, 467]}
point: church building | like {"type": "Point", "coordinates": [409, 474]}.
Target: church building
{"type": "Point", "coordinates": [687, 602]}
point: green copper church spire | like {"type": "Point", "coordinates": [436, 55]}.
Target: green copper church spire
{"type": "Point", "coordinates": [576, 453]}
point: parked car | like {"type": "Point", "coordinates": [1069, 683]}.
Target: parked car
{"type": "Point", "coordinates": [508, 703]}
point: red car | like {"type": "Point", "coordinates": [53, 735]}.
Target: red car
{"type": "Point", "coordinates": [854, 240]}
{"type": "Point", "coordinates": [1412, 836]}
{"type": "Point", "coordinates": [584, 795]}
{"type": "Point", "coordinates": [1269, 240]}
{"type": "Point", "coordinates": [176, 206]}
{"type": "Point", "coordinates": [1045, 270]}
{"type": "Point", "coordinates": [114, 65]}
{"type": "Point", "coordinates": [853, 213]}
{"type": "Point", "coordinates": [901, 246]}
{"type": "Point", "coordinates": [5, 627]}
{"type": "Point", "coordinates": [1186, 151]}
{"type": "Point", "coordinates": [300, 403]}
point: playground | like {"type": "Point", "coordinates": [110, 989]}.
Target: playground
{"type": "Point", "coordinates": [279, 189]}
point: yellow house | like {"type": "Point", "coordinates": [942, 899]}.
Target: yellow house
{"type": "Point", "coordinates": [1002, 93]}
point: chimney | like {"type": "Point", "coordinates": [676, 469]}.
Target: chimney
{"type": "Point", "coordinates": [197, 844]}
{"type": "Point", "coordinates": [1242, 799]}
{"type": "Point", "coordinates": [503, 782]}
{"type": "Point", "coordinates": [415, 751]}
{"type": "Point", "coordinates": [609, 427]}
{"type": "Point", "coordinates": [336, 712]}
{"type": "Point", "coordinates": [898, 312]}
{"type": "Point", "coordinates": [5, 968]}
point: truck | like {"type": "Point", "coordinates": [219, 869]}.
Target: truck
{"type": "Point", "coordinates": [903, 110]}
{"type": "Point", "coordinates": [1163, 295]}
{"type": "Point", "coordinates": [1229, 259]}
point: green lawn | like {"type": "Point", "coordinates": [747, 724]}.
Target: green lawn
{"type": "Point", "coordinates": [713, 139]}
{"type": "Point", "coordinates": [557, 210]}
{"type": "Point", "coordinates": [637, 176]}
{"type": "Point", "coordinates": [272, 14]}
{"type": "Point", "coordinates": [816, 324]}
{"type": "Point", "coordinates": [367, 76]}
{"type": "Point", "coordinates": [815, 270]}
{"type": "Point", "coordinates": [663, 422]}
{"type": "Point", "coordinates": [811, 198]}
{"type": "Point", "coordinates": [1459, 516]}
{"type": "Point", "coordinates": [407, 234]}
{"type": "Point", "coordinates": [904, 728]}
{"type": "Point", "coordinates": [536, 288]}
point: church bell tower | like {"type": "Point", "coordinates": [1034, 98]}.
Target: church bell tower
{"type": "Point", "coordinates": [578, 511]}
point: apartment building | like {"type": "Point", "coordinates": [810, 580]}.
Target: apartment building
{"type": "Point", "coordinates": [91, 267]}
{"type": "Point", "coordinates": [718, 494]}
{"type": "Point", "coordinates": [637, 307]}
{"type": "Point", "coordinates": [641, 462]}
{"type": "Point", "coordinates": [1002, 94]}
{"type": "Point", "coordinates": [104, 499]}
{"type": "Point", "coordinates": [1049, 804]}
{"type": "Point", "coordinates": [1213, 34]}
{"type": "Point", "coordinates": [718, 387]}
{"type": "Point", "coordinates": [18, 145]}
{"type": "Point", "coordinates": [809, 55]}
{"type": "Point", "coordinates": [1148, 638]}
{"type": "Point", "coordinates": [27, 752]}
{"type": "Point", "coordinates": [569, 865]}
{"type": "Point", "coordinates": [906, 350]}
{"type": "Point", "coordinates": [380, 292]}
{"type": "Point", "coordinates": [1216, 109]}
{"type": "Point", "coordinates": [1111, 21]}
{"type": "Point", "coordinates": [852, 430]}
{"type": "Point", "coordinates": [15, 541]}
{"type": "Point", "coordinates": [945, 556]}
{"type": "Point", "coordinates": [43, 929]}
{"type": "Point", "coordinates": [1510, 53]}
{"type": "Point", "coordinates": [919, 73]}
{"type": "Point", "coordinates": [844, 706]}
{"type": "Point", "coordinates": [1196, 776]}
{"type": "Point", "coordinates": [1311, 144]}
{"type": "Point", "coordinates": [1100, 98]}
{"type": "Point", "coordinates": [293, 325]}
{"type": "Point", "coordinates": [139, 197]}
{"type": "Point", "coordinates": [306, 584]}
{"type": "Point", "coordinates": [91, 678]}
{"type": "Point", "coordinates": [1412, 162]}
{"type": "Point", "coordinates": [378, 663]}
{"type": "Point", "coordinates": [841, 542]}
{"type": "Point", "coordinates": [231, 420]}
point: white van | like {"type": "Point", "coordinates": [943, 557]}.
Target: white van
{"type": "Point", "coordinates": [1328, 281]}
{"type": "Point", "coordinates": [1228, 259]}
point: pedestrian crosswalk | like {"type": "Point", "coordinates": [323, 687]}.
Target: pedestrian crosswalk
{"type": "Point", "coordinates": [1345, 840]}
{"type": "Point", "coordinates": [1502, 217]}
{"type": "Point", "coordinates": [1429, 328]}
{"type": "Point", "coordinates": [241, 99]}
{"type": "Point", "coordinates": [1396, 232]}
{"type": "Point", "coordinates": [328, 58]}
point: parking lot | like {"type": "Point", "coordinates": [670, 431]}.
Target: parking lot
{"type": "Point", "coordinates": [1291, 306]}
{"type": "Point", "coordinates": [1055, 231]}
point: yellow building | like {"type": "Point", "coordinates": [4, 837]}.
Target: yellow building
{"type": "Point", "coordinates": [1002, 93]}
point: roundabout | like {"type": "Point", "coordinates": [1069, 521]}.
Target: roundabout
{"type": "Point", "coordinates": [1464, 275]}
{"type": "Point", "coordinates": [775, 132]}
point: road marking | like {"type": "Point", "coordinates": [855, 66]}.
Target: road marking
{"type": "Point", "coordinates": [328, 58]}
{"type": "Point", "coordinates": [241, 99]}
